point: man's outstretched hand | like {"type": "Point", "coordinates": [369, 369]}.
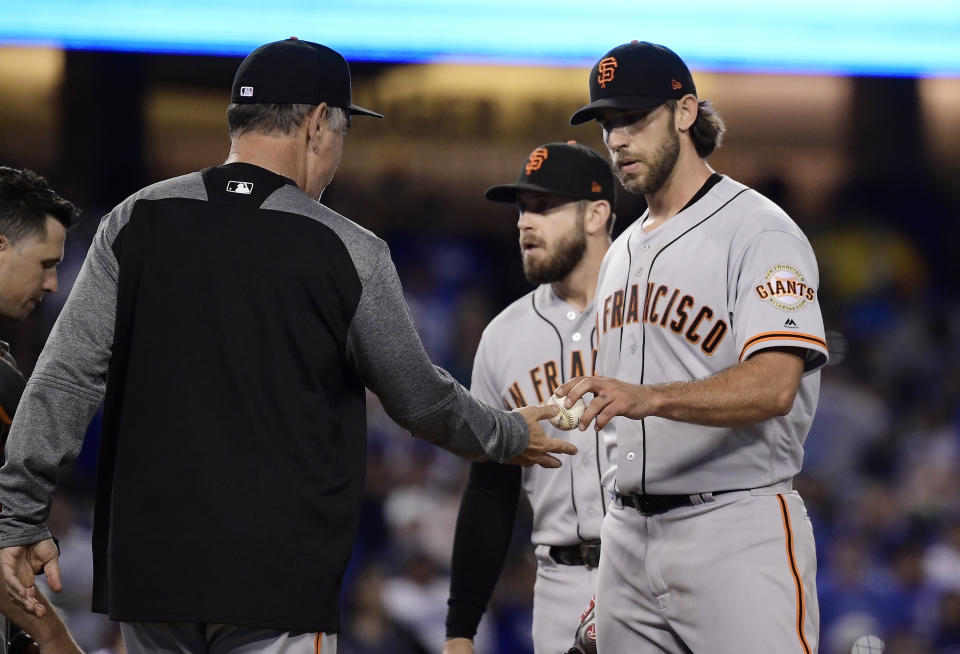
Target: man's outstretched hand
{"type": "Point", "coordinates": [540, 445]}
{"type": "Point", "coordinates": [19, 566]}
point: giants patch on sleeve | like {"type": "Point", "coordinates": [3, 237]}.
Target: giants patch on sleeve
{"type": "Point", "coordinates": [784, 287]}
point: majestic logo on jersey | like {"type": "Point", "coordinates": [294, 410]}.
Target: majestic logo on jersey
{"type": "Point", "coordinates": [605, 70]}
{"type": "Point", "coordinates": [668, 308]}
{"type": "Point", "coordinates": [546, 377]}
{"type": "Point", "coordinates": [537, 157]}
{"type": "Point", "coordinates": [785, 288]}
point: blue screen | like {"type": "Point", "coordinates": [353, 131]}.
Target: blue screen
{"type": "Point", "coordinates": [880, 37]}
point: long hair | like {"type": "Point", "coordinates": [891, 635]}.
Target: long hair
{"type": "Point", "coordinates": [707, 130]}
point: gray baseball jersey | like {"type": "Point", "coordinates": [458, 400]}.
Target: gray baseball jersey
{"type": "Point", "coordinates": [525, 353]}
{"type": "Point", "coordinates": [727, 277]}
{"type": "Point", "coordinates": [533, 346]}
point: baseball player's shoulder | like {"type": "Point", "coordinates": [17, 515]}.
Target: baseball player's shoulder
{"type": "Point", "coordinates": [755, 213]}
{"type": "Point", "coordinates": [189, 186]}
{"type": "Point", "coordinates": [291, 199]}
{"type": "Point", "coordinates": [367, 250]}
{"type": "Point", "coordinates": [516, 313]}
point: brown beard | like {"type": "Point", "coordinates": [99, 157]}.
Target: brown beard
{"type": "Point", "coordinates": [660, 166]}
{"type": "Point", "coordinates": [567, 254]}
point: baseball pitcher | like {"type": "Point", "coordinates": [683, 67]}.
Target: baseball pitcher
{"type": "Point", "coordinates": [710, 339]}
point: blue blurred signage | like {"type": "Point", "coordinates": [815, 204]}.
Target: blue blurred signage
{"type": "Point", "coordinates": [877, 37]}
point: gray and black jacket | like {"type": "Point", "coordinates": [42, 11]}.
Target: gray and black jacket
{"type": "Point", "coordinates": [230, 335]}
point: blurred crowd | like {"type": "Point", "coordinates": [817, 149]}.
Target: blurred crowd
{"type": "Point", "coordinates": [881, 476]}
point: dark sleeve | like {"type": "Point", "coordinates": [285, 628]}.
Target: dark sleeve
{"type": "Point", "coordinates": [484, 528]}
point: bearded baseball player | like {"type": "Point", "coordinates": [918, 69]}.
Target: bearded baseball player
{"type": "Point", "coordinates": [710, 338]}
{"type": "Point", "coordinates": [564, 195]}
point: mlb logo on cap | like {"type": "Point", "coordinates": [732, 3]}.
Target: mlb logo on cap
{"type": "Point", "coordinates": [243, 188]}
{"type": "Point", "coordinates": [296, 72]}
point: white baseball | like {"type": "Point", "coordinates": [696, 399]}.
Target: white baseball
{"type": "Point", "coordinates": [567, 418]}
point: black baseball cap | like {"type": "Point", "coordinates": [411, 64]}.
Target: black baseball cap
{"type": "Point", "coordinates": [566, 169]}
{"type": "Point", "coordinates": [295, 72]}
{"type": "Point", "coordinates": [635, 75]}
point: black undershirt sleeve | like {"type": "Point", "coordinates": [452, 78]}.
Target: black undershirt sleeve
{"type": "Point", "coordinates": [484, 528]}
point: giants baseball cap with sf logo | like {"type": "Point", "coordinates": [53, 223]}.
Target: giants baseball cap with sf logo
{"type": "Point", "coordinates": [295, 72]}
{"type": "Point", "coordinates": [565, 169]}
{"type": "Point", "coordinates": [635, 75]}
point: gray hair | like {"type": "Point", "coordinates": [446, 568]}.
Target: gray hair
{"type": "Point", "coordinates": [278, 119]}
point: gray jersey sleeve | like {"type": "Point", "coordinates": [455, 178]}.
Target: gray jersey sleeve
{"type": "Point", "coordinates": [391, 362]}
{"type": "Point", "coordinates": [777, 304]}
{"type": "Point", "coordinates": [62, 395]}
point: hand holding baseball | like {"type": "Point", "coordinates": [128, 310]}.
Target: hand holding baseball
{"type": "Point", "coordinates": [540, 445]}
{"type": "Point", "coordinates": [567, 419]}
{"type": "Point", "coordinates": [611, 397]}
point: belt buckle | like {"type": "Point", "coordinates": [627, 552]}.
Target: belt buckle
{"type": "Point", "coordinates": [590, 554]}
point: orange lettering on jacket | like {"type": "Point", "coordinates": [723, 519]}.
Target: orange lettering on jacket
{"type": "Point", "coordinates": [545, 379]}
{"type": "Point", "coordinates": [669, 308]}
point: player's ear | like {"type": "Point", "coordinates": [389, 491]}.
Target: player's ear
{"type": "Point", "coordinates": [317, 123]}
{"type": "Point", "coordinates": [595, 220]}
{"type": "Point", "coordinates": [686, 112]}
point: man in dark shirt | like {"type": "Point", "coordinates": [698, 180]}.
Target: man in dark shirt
{"type": "Point", "coordinates": [231, 323]}
{"type": "Point", "coordinates": [33, 227]}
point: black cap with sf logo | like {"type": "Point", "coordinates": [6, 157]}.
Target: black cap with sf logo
{"type": "Point", "coordinates": [565, 169]}
{"type": "Point", "coordinates": [636, 75]}
{"type": "Point", "coordinates": [295, 72]}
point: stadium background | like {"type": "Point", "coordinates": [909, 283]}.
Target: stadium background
{"type": "Point", "coordinates": [864, 158]}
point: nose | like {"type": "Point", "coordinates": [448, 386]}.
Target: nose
{"type": "Point", "coordinates": [524, 222]}
{"type": "Point", "coordinates": [50, 281]}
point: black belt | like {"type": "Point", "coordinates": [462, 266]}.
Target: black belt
{"type": "Point", "coordinates": [586, 554]}
{"type": "Point", "coordinates": [655, 504]}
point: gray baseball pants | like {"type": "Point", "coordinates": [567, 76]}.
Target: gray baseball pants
{"type": "Point", "coordinates": [732, 575]}
{"type": "Point", "coordinates": [204, 638]}
{"type": "Point", "coordinates": [560, 596]}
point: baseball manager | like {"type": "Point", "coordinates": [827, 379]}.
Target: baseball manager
{"type": "Point", "coordinates": [230, 323]}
